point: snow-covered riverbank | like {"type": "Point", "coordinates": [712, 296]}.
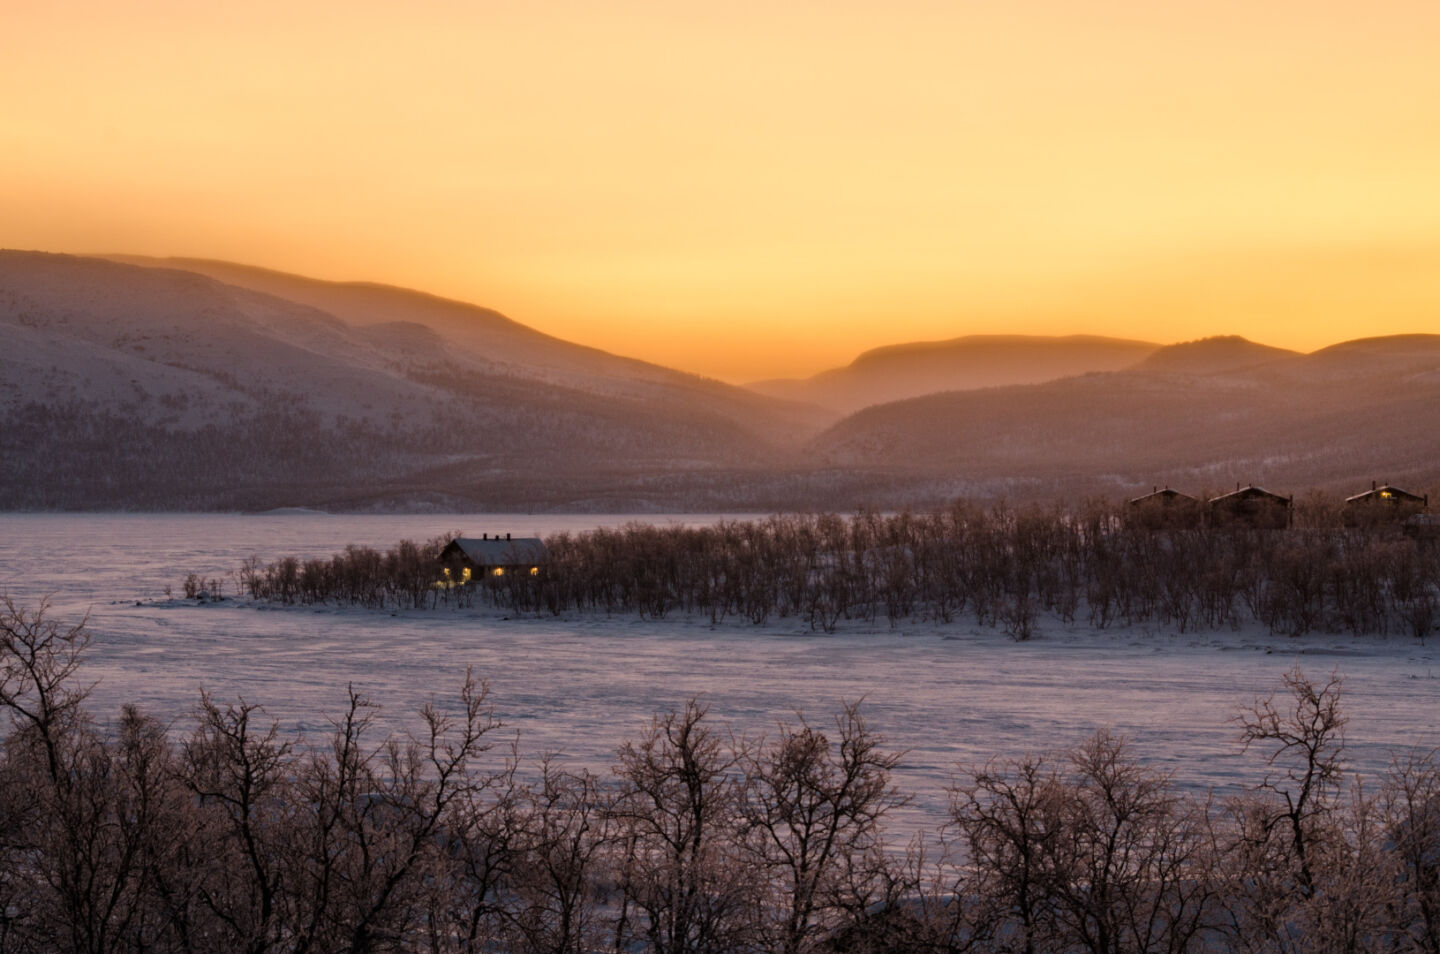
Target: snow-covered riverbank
{"type": "Point", "coordinates": [580, 685]}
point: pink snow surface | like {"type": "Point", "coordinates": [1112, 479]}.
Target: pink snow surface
{"type": "Point", "coordinates": [579, 685]}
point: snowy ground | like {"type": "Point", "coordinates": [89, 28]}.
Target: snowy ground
{"type": "Point", "coordinates": [580, 685]}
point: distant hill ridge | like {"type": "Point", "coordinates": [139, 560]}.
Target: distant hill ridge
{"type": "Point", "coordinates": [499, 338]}
{"type": "Point", "coordinates": [1393, 349]}
{"type": "Point", "coordinates": [141, 385]}
{"type": "Point", "coordinates": [1206, 413]}
{"type": "Point", "coordinates": [155, 387]}
{"type": "Point", "coordinates": [895, 372]}
{"type": "Point", "coordinates": [1212, 355]}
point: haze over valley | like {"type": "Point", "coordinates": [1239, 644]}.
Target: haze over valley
{"type": "Point", "coordinates": [975, 361]}
{"type": "Point", "coordinates": [179, 384]}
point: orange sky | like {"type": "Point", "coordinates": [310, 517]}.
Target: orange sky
{"type": "Point", "coordinates": [746, 191]}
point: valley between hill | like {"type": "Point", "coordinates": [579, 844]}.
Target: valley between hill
{"type": "Point", "coordinates": [177, 384]}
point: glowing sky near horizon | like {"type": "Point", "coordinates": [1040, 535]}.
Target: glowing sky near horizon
{"type": "Point", "coordinates": [753, 189]}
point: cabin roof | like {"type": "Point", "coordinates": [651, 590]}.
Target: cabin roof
{"type": "Point", "coordinates": [496, 552]}
{"type": "Point", "coordinates": [1165, 495]}
{"type": "Point", "coordinates": [1385, 492]}
{"type": "Point", "coordinates": [1249, 493]}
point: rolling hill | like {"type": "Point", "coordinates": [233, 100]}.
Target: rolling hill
{"type": "Point", "coordinates": [486, 339]}
{"type": "Point", "coordinates": [1218, 355]}
{"type": "Point", "coordinates": [214, 386]}
{"type": "Point", "coordinates": [1200, 415]}
{"type": "Point", "coordinates": [128, 386]}
{"type": "Point", "coordinates": [975, 361]}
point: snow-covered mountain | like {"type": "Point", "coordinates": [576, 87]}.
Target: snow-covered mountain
{"type": "Point", "coordinates": [429, 328]}
{"type": "Point", "coordinates": [123, 385]}
{"type": "Point", "coordinates": [210, 386]}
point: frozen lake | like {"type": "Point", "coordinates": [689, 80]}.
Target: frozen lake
{"type": "Point", "coordinates": [579, 685]}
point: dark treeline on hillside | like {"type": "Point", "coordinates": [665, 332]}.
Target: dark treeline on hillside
{"type": "Point", "coordinates": [72, 456]}
{"type": "Point", "coordinates": [1001, 566]}
{"type": "Point", "coordinates": [79, 458]}
{"type": "Point", "coordinates": [234, 837]}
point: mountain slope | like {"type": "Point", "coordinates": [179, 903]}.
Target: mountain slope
{"type": "Point", "coordinates": [1339, 415]}
{"type": "Point", "coordinates": [960, 364]}
{"type": "Point", "coordinates": [480, 336]}
{"type": "Point", "coordinates": [124, 386]}
{"type": "Point", "coordinates": [128, 386]}
{"type": "Point", "coordinates": [1216, 355]}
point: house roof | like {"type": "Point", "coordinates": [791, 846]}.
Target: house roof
{"type": "Point", "coordinates": [1250, 493]}
{"type": "Point", "coordinates": [1385, 492]}
{"type": "Point", "coordinates": [497, 552]}
{"type": "Point", "coordinates": [1161, 496]}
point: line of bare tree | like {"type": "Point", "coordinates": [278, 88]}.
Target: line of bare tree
{"type": "Point", "coordinates": [232, 836]}
{"type": "Point", "coordinates": [403, 577]}
{"type": "Point", "coordinates": [1001, 566]}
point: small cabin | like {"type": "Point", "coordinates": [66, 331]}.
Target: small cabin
{"type": "Point", "coordinates": [1383, 504]}
{"type": "Point", "coordinates": [1164, 508]}
{"type": "Point", "coordinates": [1387, 495]}
{"type": "Point", "coordinates": [1253, 508]}
{"type": "Point", "coordinates": [467, 559]}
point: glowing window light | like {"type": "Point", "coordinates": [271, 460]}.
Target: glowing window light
{"type": "Point", "coordinates": [498, 571]}
{"type": "Point", "coordinates": [466, 577]}
{"type": "Point", "coordinates": [534, 571]}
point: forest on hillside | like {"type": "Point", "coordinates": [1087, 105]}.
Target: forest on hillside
{"type": "Point", "coordinates": [80, 457]}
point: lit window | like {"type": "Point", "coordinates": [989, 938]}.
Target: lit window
{"type": "Point", "coordinates": [534, 571]}
{"type": "Point", "coordinates": [498, 571]}
{"type": "Point", "coordinates": [466, 577]}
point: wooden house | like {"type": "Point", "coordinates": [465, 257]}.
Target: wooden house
{"type": "Point", "coordinates": [1165, 509]}
{"type": "Point", "coordinates": [466, 559]}
{"type": "Point", "coordinates": [1251, 507]}
{"type": "Point", "coordinates": [1389, 496]}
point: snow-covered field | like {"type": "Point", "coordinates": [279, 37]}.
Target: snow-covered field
{"type": "Point", "coordinates": [579, 685]}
